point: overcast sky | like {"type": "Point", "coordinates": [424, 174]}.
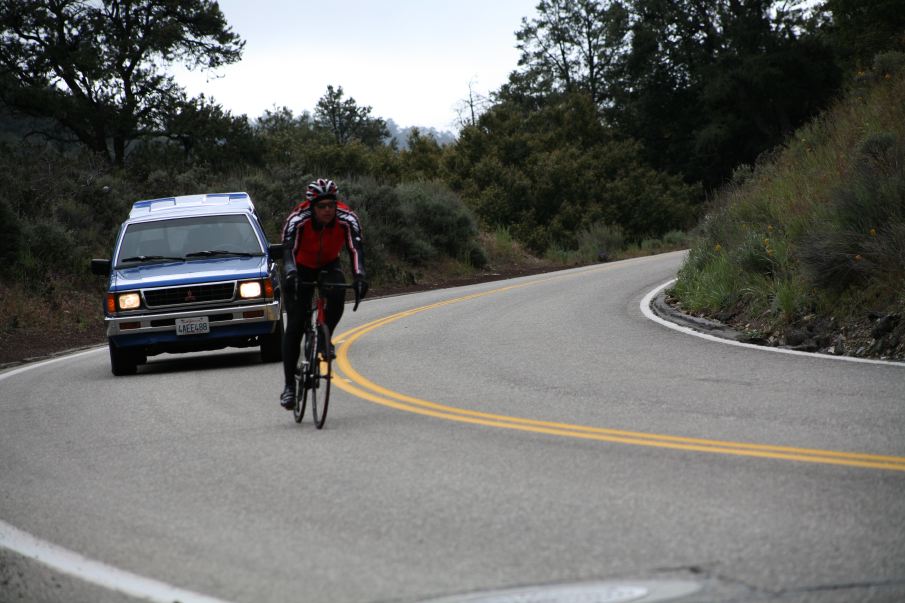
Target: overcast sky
{"type": "Point", "coordinates": [410, 60]}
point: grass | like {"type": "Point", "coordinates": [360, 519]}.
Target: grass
{"type": "Point", "coordinates": [818, 226]}
{"type": "Point", "coordinates": [603, 242]}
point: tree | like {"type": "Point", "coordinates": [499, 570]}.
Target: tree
{"type": "Point", "coordinates": [208, 133]}
{"type": "Point", "coordinates": [548, 174]}
{"type": "Point", "coordinates": [346, 120]}
{"type": "Point", "coordinates": [710, 84]}
{"type": "Point", "coordinates": [861, 29]}
{"type": "Point", "coordinates": [573, 46]}
{"type": "Point", "coordinates": [422, 157]}
{"type": "Point", "coordinates": [96, 67]}
{"type": "Point", "coordinates": [469, 109]}
{"type": "Point", "coordinates": [287, 138]}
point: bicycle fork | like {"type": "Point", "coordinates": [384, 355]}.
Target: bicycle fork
{"type": "Point", "coordinates": [307, 370]}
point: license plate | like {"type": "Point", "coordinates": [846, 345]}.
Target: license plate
{"type": "Point", "coordinates": [193, 326]}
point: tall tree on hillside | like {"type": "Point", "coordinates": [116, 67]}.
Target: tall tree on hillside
{"type": "Point", "coordinates": [97, 67]}
{"type": "Point", "coordinates": [862, 29]}
{"type": "Point", "coordinates": [422, 158]}
{"type": "Point", "coordinates": [549, 173]}
{"type": "Point", "coordinates": [470, 108]}
{"type": "Point", "coordinates": [206, 132]}
{"type": "Point", "coordinates": [348, 121]}
{"type": "Point", "coordinates": [710, 84]}
{"type": "Point", "coordinates": [572, 46]}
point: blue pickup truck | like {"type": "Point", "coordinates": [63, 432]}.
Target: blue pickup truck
{"type": "Point", "coordinates": [188, 274]}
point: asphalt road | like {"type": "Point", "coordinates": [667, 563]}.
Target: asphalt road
{"type": "Point", "coordinates": [540, 431]}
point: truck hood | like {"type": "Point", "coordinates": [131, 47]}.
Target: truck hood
{"type": "Point", "coordinates": [171, 274]}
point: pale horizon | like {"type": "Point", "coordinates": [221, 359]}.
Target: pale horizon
{"type": "Point", "coordinates": [412, 62]}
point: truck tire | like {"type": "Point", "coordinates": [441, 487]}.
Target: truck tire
{"type": "Point", "coordinates": [122, 362]}
{"type": "Point", "coordinates": [272, 345]}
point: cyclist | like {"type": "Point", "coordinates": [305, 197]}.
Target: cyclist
{"type": "Point", "coordinates": [314, 234]}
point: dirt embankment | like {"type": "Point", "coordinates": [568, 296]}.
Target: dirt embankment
{"type": "Point", "coordinates": [873, 335]}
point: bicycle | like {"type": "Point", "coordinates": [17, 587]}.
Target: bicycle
{"type": "Point", "coordinates": [314, 370]}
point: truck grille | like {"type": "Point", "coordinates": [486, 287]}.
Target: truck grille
{"type": "Point", "coordinates": [194, 294]}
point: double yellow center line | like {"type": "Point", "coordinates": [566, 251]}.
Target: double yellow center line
{"type": "Point", "coordinates": [353, 382]}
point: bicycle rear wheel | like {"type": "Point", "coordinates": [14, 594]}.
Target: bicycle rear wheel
{"type": "Point", "coordinates": [304, 381]}
{"type": "Point", "coordinates": [323, 375]}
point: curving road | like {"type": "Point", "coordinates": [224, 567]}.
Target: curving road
{"type": "Point", "coordinates": [540, 431]}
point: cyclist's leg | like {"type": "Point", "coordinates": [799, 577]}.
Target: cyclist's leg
{"type": "Point", "coordinates": [336, 298]}
{"type": "Point", "coordinates": [291, 338]}
{"type": "Point", "coordinates": [297, 310]}
{"type": "Point", "coordinates": [335, 304]}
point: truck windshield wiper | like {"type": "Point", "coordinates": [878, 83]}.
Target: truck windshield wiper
{"type": "Point", "coordinates": [210, 252]}
{"type": "Point", "coordinates": [151, 258]}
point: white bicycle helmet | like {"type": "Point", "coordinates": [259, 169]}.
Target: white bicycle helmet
{"type": "Point", "coordinates": [321, 189]}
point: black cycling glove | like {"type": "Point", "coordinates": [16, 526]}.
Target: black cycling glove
{"type": "Point", "coordinates": [360, 286]}
{"type": "Point", "coordinates": [291, 283]}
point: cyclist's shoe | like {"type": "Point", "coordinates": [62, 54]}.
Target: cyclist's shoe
{"type": "Point", "coordinates": [287, 399]}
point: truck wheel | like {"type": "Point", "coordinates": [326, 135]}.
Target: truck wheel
{"type": "Point", "coordinates": [122, 362]}
{"type": "Point", "coordinates": [272, 345]}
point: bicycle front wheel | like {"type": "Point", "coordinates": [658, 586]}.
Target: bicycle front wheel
{"type": "Point", "coordinates": [323, 375]}
{"type": "Point", "coordinates": [304, 380]}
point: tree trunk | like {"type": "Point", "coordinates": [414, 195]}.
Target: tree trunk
{"type": "Point", "coordinates": [119, 150]}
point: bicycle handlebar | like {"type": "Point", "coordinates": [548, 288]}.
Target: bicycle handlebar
{"type": "Point", "coordinates": [322, 286]}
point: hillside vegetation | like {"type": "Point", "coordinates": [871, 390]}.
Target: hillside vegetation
{"type": "Point", "coordinates": [807, 247]}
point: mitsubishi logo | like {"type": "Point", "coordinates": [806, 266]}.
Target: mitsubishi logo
{"type": "Point", "coordinates": [189, 297]}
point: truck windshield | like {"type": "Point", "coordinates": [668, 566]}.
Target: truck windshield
{"type": "Point", "coordinates": [188, 238]}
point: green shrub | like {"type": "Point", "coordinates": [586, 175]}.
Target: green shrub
{"type": "Point", "coordinates": [708, 281]}
{"type": "Point", "coordinates": [533, 236]}
{"type": "Point", "coordinates": [414, 223]}
{"type": "Point", "coordinates": [51, 250]}
{"type": "Point", "coordinates": [651, 244]}
{"type": "Point", "coordinates": [438, 216]}
{"type": "Point", "coordinates": [858, 238]}
{"type": "Point", "coordinates": [378, 208]}
{"type": "Point", "coordinates": [477, 257]}
{"type": "Point", "coordinates": [600, 241]}
{"type": "Point", "coordinates": [558, 255]}
{"type": "Point", "coordinates": [887, 64]}
{"type": "Point", "coordinates": [499, 246]}
{"type": "Point", "coordinates": [11, 238]}
{"type": "Point", "coordinates": [502, 237]}
{"type": "Point", "coordinates": [675, 238]}
{"type": "Point", "coordinates": [789, 299]}
{"type": "Point", "coordinates": [754, 254]}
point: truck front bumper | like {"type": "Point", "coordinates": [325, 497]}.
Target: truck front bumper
{"type": "Point", "coordinates": [231, 321]}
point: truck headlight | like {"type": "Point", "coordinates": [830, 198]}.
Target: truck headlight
{"type": "Point", "coordinates": [250, 289]}
{"type": "Point", "coordinates": [129, 301]}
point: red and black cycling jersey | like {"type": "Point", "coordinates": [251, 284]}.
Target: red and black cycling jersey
{"type": "Point", "coordinates": [314, 245]}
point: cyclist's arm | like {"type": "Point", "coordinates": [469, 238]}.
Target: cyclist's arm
{"type": "Point", "coordinates": [354, 244]}
{"type": "Point", "coordinates": [291, 231]}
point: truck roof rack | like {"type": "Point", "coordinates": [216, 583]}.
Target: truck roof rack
{"type": "Point", "coordinates": [240, 201]}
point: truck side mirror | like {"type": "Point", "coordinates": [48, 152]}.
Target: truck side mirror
{"type": "Point", "coordinates": [275, 251]}
{"type": "Point", "coordinates": [100, 267]}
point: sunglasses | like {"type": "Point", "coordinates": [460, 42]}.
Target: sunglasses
{"type": "Point", "coordinates": [325, 205]}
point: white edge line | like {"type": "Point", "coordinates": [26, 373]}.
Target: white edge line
{"type": "Point", "coordinates": [74, 564]}
{"type": "Point", "coordinates": [95, 572]}
{"type": "Point", "coordinates": [646, 310]}
{"type": "Point", "coordinates": [16, 371]}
